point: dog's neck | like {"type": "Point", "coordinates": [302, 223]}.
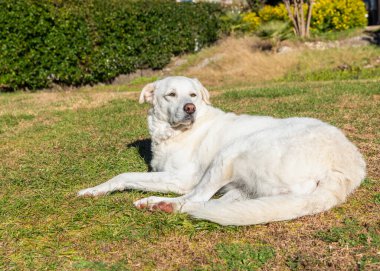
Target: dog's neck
{"type": "Point", "coordinates": [159, 130]}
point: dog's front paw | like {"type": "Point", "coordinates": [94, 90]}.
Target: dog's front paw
{"type": "Point", "coordinates": [90, 192]}
{"type": "Point", "coordinates": [167, 205]}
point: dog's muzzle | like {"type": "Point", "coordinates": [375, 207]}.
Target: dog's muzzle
{"type": "Point", "coordinates": [185, 117]}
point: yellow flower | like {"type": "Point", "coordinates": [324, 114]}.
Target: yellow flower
{"type": "Point", "coordinates": [251, 20]}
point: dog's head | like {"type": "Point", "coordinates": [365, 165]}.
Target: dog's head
{"type": "Point", "coordinates": [176, 100]}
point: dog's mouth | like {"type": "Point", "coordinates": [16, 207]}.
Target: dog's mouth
{"type": "Point", "coordinates": [184, 123]}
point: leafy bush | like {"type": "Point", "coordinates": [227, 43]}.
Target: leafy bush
{"type": "Point", "coordinates": [235, 21]}
{"type": "Point", "coordinates": [77, 42]}
{"type": "Point", "coordinates": [338, 15]}
{"type": "Point", "coordinates": [232, 21]}
{"type": "Point", "coordinates": [251, 20]}
{"type": "Point", "coordinates": [327, 15]}
{"type": "Point", "coordinates": [276, 13]}
{"type": "Point", "coordinates": [272, 33]}
{"type": "Point", "coordinates": [39, 45]}
{"type": "Point", "coordinates": [275, 30]}
{"type": "Point", "coordinates": [255, 5]}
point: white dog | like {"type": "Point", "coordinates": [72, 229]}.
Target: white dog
{"type": "Point", "coordinates": [265, 169]}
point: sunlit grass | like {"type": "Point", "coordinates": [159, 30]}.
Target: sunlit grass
{"type": "Point", "coordinates": [53, 144]}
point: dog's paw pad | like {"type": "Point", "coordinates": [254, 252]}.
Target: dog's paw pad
{"type": "Point", "coordinates": [156, 204]}
{"type": "Point", "coordinates": [163, 206]}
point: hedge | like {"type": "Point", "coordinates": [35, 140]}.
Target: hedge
{"type": "Point", "coordinates": [77, 42]}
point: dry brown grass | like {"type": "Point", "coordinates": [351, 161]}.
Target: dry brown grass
{"type": "Point", "coordinates": [237, 60]}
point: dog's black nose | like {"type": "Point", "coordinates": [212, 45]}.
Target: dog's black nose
{"type": "Point", "coordinates": [189, 108]}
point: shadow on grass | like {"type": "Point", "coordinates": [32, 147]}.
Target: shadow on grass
{"type": "Point", "coordinates": [144, 148]}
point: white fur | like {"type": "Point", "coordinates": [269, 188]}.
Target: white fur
{"type": "Point", "coordinates": [266, 169]}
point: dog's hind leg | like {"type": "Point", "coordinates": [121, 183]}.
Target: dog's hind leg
{"type": "Point", "coordinates": [230, 196]}
{"type": "Point", "coordinates": [233, 195]}
{"type": "Point", "coordinates": [219, 174]}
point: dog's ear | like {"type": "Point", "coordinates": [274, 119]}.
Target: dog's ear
{"type": "Point", "coordinates": [204, 92]}
{"type": "Point", "coordinates": [147, 93]}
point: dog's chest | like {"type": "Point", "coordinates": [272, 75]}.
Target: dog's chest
{"type": "Point", "coordinates": [171, 157]}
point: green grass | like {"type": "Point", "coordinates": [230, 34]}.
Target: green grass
{"type": "Point", "coordinates": [361, 238]}
{"type": "Point", "coordinates": [237, 256]}
{"type": "Point", "coordinates": [143, 80]}
{"type": "Point", "coordinates": [352, 234]}
{"type": "Point", "coordinates": [54, 144]}
{"type": "Point", "coordinates": [7, 121]}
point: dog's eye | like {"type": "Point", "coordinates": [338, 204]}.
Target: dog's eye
{"type": "Point", "coordinates": [193, 95]}
{"type": "Point", "coordinates": [172, 94]}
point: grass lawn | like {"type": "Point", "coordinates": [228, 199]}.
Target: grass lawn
{"type": "Point", "coordinates": [54, 144]}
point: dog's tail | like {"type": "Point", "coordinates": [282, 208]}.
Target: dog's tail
{"type": "Point", "coordinates": [281, 207]}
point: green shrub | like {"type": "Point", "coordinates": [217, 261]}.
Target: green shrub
{"type": "Point", "coordinates": [327, 15]}
{"type": "Point", "coordinates": [338, 15]}
{"type": "Point", "coordinates": [275, 30]}
{"type": "Point", "coordinates": [251, 20]}
{"type": "Point", "coordinates": [77, 42]}
{"type": "Point", "coordinates": [276, 13]}
{"type": "Point", "coordinates": [235, 21]}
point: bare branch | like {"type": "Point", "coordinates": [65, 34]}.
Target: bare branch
{"type": "Point", "coordinates": [297, 17]}
{"type": "Point", "coordinates": [302, 26]}
{"type": "Point", "coordinates": [291, 16]}
{"type": "Point", "coordinates": [296, 14]}
{"type": "Point", "coordinates": [309, 12]}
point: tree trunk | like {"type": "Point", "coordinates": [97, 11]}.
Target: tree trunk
{"type": "Point", "coordinates": [309, 12]}
{"type": "Point", "coordinates": [296, 15]}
